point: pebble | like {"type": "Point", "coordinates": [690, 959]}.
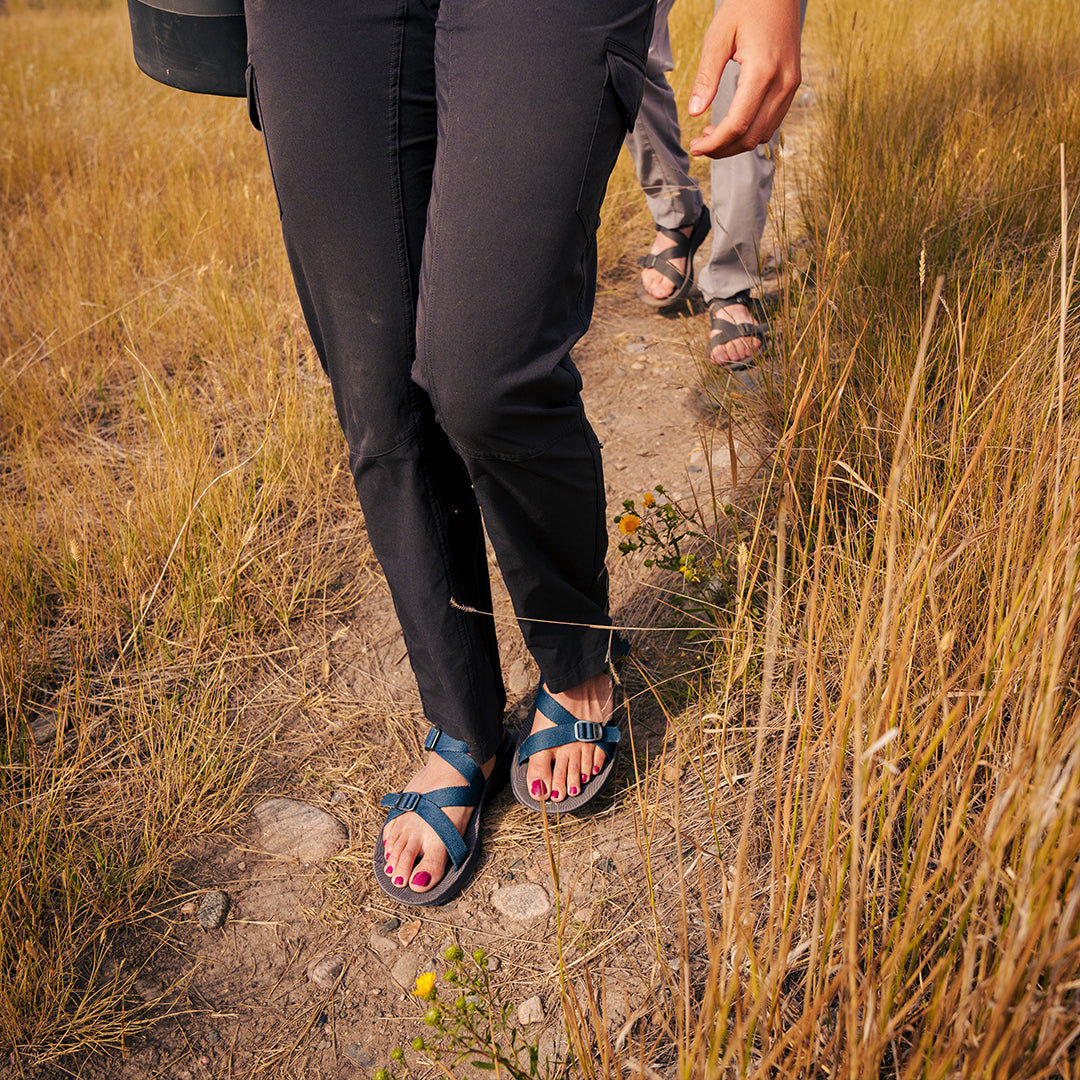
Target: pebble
{"type": "Point", "coordinates": [189, 908]}
{"type": "Point", "coordinates": [213, 909]}
{"type": "Point", "coordinates": [213, 1037]}
{"type": "Point", "coordinates": [323, 971]}
{"type": "Point", "coordinates": [384, 948]}
{"type": "Point", "coordinates": [530, 1011]}
{"type": "Point", "coordinates": [290, 827]}
{"type": "Point", "coordinates": [492, 963]}
{"type": "Point", "coordinates": [359, 1056]}
{"type": "Point", "coordinates": [522, 901]}
{"type": "Point", "coordinates": [241, 865]}
{"type": "Point", "coordinates": [635, 347]}
{"type": "Point", "coordinates": [404, 970]}
{"type": "Point", "coordinates": [605, 865]}
{"type": "Point", "coordinates": [43, 730]}
{"type": "Point", "coordinates": [389, 926]}
{"type": "Point", "coordinates": [407, 934]}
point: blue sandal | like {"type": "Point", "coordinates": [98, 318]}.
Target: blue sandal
{"type": "Point", "coordinates": [568, 729]}
{"type": "Point", "coordinates": [463, 851]}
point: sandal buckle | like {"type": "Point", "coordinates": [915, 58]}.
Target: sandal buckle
{"type": "Point", "coordinates": [432, 738]}
{"type": "Point", "coordinates": [588, 731]}
{"type": "Point", "coordinates": [406, 801]}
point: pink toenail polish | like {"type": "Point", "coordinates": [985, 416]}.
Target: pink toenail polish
{"type": "Point", "coordinates": [584, 778]}
{"type": "Point", "coordinates": [554, 794]}
{"type": "Point", "coordinates": [389, 870]}
{"type": "Point", "coordinates": [595, 769]}
{"type": "Point", "coordinates": [573, 791]}
{"type": "Point", "coordinates": [538, 789]}
{"type": "Point", "coordinates": [422, 880]}
{"type": "Point", "coordinates": [399, 881]}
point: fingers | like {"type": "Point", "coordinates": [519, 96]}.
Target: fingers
{"type": "Point", "coordinates": [762, 36]}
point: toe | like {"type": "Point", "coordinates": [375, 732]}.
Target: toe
{"type": "Point", "coordinates": [428, 871]}
{"type": "Point", "coordinates": [403, 864]}
{"type": "Point", "coordinates": [560, 784]}
{"type": "Point", "coordinates": [538, 776]}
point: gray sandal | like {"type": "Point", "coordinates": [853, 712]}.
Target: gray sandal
{"type": "Point", "coordinates": [723, 330]}
{"type": "Point", "coordinates": [684, 248]}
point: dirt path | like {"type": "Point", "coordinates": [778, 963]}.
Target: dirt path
{"type": "Point", "coordinates": [250, 1002]}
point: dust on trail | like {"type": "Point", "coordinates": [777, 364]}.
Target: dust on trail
{"type": "Point", "coordinates": [252, 999]}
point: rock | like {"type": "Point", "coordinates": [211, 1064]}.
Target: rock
{"type": "Point", "coordinates": [407, 934]}
{"type": "Point", "coordinates": [385, 948]}
{"type": "Point", "coordinates": [290, 827]}
{"type": "Point", "coordinates": [519, 678]}
{"type": "Point", "coordinates": [605, 865]}
{"type": "Point", "coordinates": [324, 971]}
{"type": "Point", "coordinates": [43, 729]}
{"type": "Point", "coordinates": [213, 1037]}
{"type": "Point", "coordinates": [389, 926]}
{"type": "Point", "coordinates": [492, 963]}
{"type": "Point", "coordinates": [189, 908]}
{"type": "Point", "coordinates": [213, 909]}
{"type": "Point", "coordinates": [530, 1011]}
{"type": "Point", "coordinates": [522, 901]}
{"type": "Point", "coordinates": [404, 970]}
{"type": "Point", "coordinates": [359, 1056]}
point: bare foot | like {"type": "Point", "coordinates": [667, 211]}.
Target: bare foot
{"type": "Point", "coordinates": [741, 349]}
{"type": "Point", "coordinates": [564, 771]}
{"type": "Point", "coordinates": [653, 282]}
{"type": "Point", "coordinates": [414, 853]}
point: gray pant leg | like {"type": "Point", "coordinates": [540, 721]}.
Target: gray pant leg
{"type": "Point", "coordinates": [741, 189]}
{"type": "Point", "coordinates": [655, 144]}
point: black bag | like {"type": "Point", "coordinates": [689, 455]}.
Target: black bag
{"type": "Point", "coordinates": [196, 45]}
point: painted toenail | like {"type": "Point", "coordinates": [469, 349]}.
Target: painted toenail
{"type": "Point", "coordinates": [399, 881]}
{"type": "Point", "coordinates": [389, 870]}
{"type": "Point", "coordinates": [584, 778]}
{"type": "Point", "coordinates": [422, 880]}
{"type": "Point", "coordinates": [555, 795]}
{"type": "Point", "coordinates": [573, 791]}
{"type": "Point", "coordinates": [595, 769]}
{"type": "Point", "coordinates": [538, 789]}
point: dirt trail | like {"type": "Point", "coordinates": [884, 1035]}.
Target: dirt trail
{"type": "Point", "coordinates": [251, 1006]}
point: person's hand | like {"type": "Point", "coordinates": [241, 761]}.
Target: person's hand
{"type": "Point", "coordinates": [763, 36]}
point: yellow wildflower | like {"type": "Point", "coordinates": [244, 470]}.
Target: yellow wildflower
{"type": "Point", "coordinates": [649, 499]}
{"type": "Point", "coordinates": [628, 524]}
{"type": "Point", "coordinates": [425, 985]}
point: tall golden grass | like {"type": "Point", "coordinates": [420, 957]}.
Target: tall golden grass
{"type": "Point", "coordinates": [883, 782]}
{"type": "Point", "coordinates": [173, 498]}
{"type": "Point", "coordinates": [885, 874]}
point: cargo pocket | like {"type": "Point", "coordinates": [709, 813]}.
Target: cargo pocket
{"type": "Point", "coordinates": [252, 98]}
{"type": "Point", "coordinates": [623, 86]}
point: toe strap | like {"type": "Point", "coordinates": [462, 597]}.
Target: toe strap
{"type": "Point", "coordinates": [429, 805]}
{"type": "Point", "coordinates": [568, 729]}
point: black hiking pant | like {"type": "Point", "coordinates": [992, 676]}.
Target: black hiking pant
{"type": "Point", "coordinates": [439, 169]}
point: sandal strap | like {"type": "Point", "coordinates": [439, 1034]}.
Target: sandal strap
{"type": "Point", "coordinates": [660, 261]}
{"type": "Point", "coordinates": [568, 729]}
{"type": "Point", "coordinates": [725, 330]}
{"type": "Point", "coordinates": [429, 804]}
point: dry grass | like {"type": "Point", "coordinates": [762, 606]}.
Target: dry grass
{"type": "Point", "coordinates": [876, 830]}
{"type": "Point", "coordinates": [173, 499]}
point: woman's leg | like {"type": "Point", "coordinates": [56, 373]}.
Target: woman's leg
{"type": "Point", "coordinates": [534, 102]}
{"type": "Point", "coordinates": [346, 97]}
